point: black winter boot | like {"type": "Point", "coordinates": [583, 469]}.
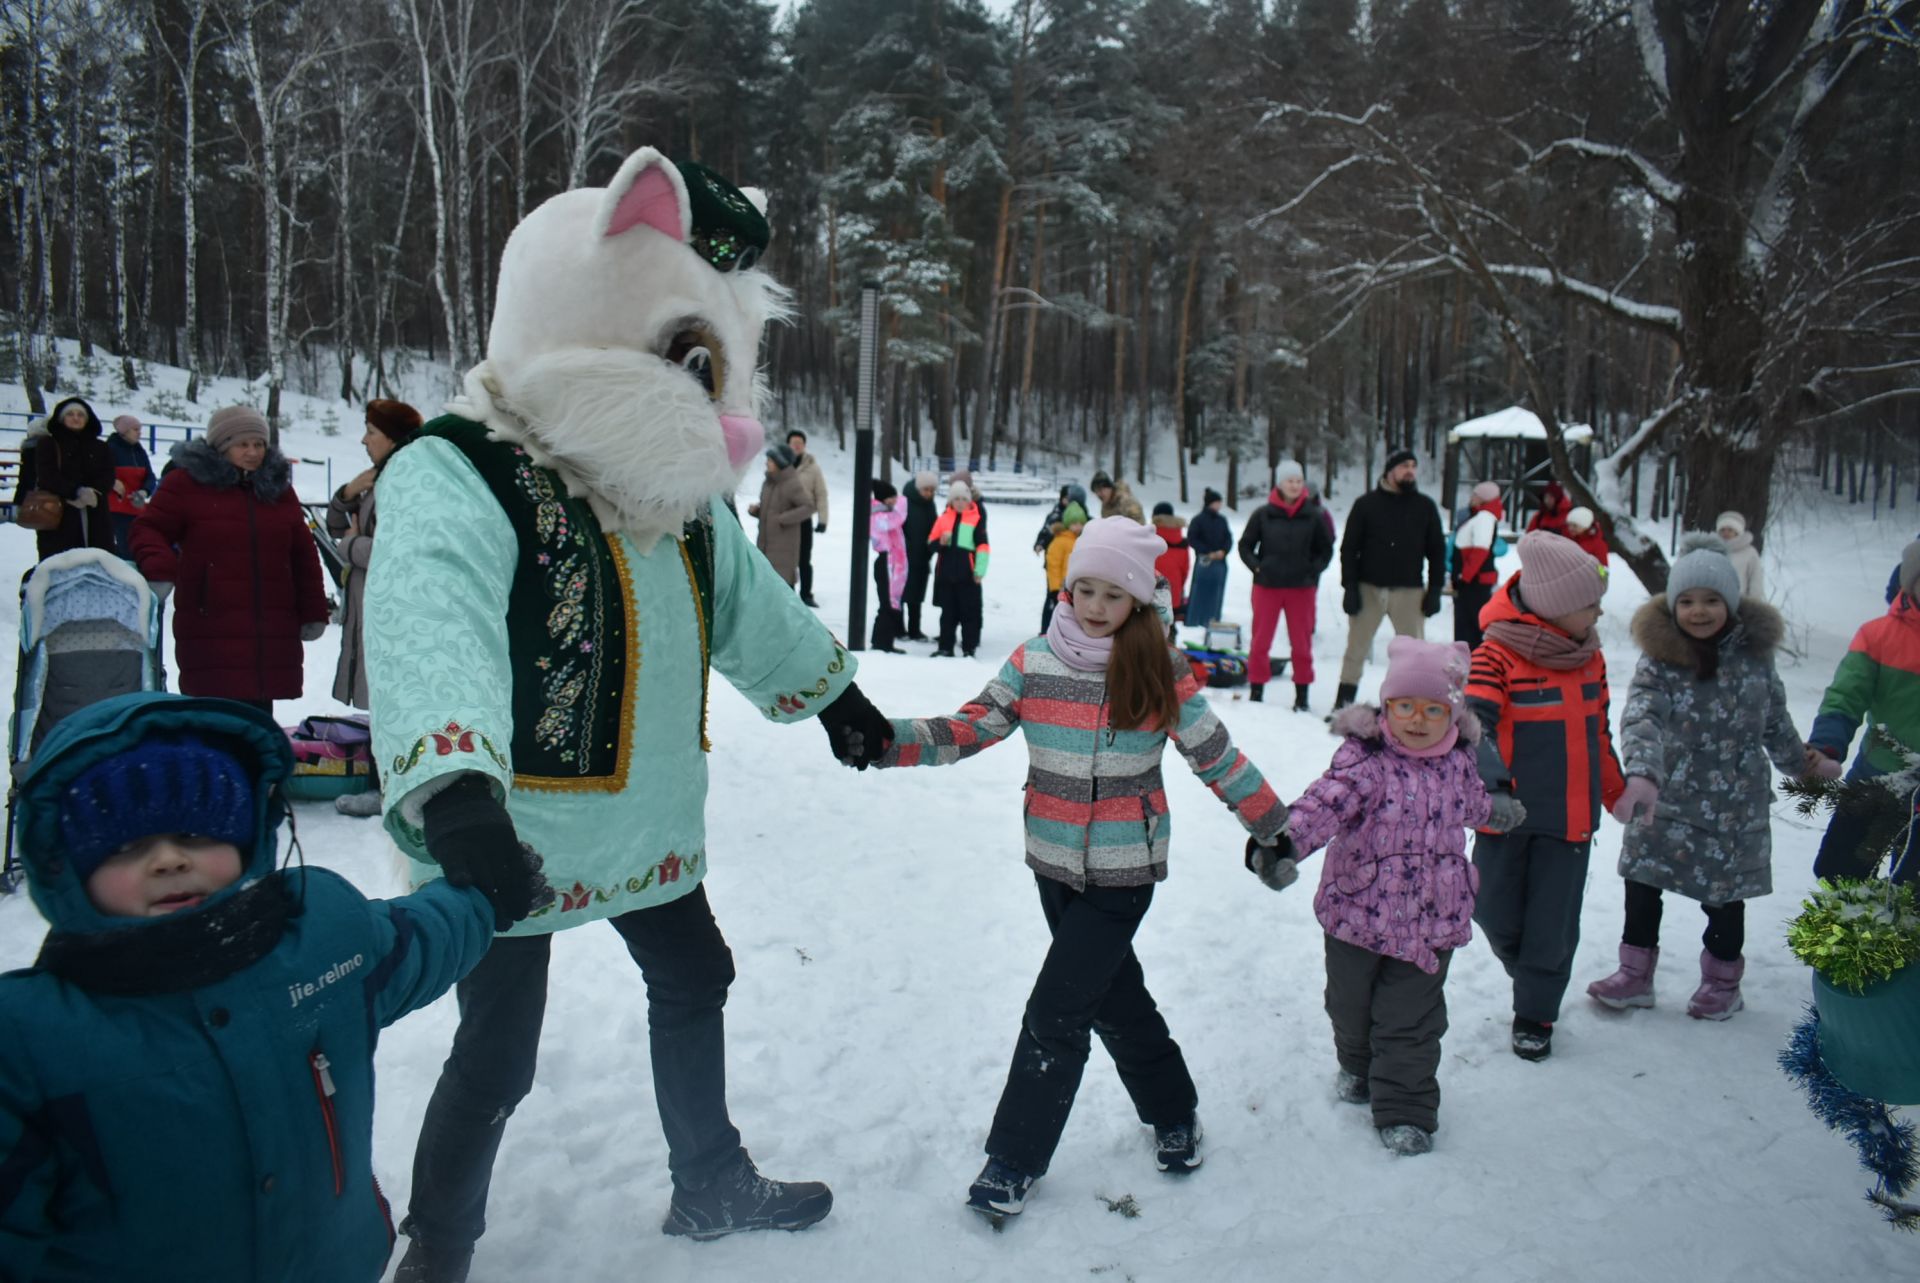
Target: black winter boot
{"type": "Point", "coordinates": [1257, 692]}
{"type": "Point", "coordinates": [1532, 1040]}
{"type": "Point", "coordinates": [1343, 697]}
{"type": "Point", "coordinates": [742, 1199]}
{"type": "Point", "coordinates": [423, 1264]}
{"type": "Point", "coordinates": [1300, 698]}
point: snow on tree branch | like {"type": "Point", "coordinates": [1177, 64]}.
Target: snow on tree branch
{"type": "Point", "coordinates": [1658, 185]}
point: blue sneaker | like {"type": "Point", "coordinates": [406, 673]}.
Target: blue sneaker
{"type": "Point", "coordinates": [999, 1191]}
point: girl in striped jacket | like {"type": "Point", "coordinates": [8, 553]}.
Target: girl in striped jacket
{"type": "Point", "coordinates": [1097, 696]}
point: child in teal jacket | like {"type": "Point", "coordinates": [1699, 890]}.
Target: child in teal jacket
{"type": "Point", "coordinates": [186, 1073]}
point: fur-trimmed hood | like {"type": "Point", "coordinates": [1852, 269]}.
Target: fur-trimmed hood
{"type": "Point", "coordinates": [210, 468]}
{"type": "Point", "coordinates": [1362, 722]}
{"type": "Point", "coordinates": [1757, 628]}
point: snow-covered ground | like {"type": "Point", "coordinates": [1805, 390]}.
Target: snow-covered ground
{"type": "Point", "coordinates": [886, 934]}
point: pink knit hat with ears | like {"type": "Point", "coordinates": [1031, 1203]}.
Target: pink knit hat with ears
{"type": "Point", "coordinates": [1427, 670]}
{"type": "Point", "coordinates": [1119, 550]}
{"type": "Point", "coordinates": [1557, 575]}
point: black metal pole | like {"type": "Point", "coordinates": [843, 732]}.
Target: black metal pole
{"type": "Point", "coordinates": [863, 465]}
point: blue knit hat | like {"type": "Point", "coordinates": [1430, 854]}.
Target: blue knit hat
{"type": "Point", "coordinates": [177, 785]}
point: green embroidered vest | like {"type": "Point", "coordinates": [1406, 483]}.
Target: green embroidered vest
{"type": "Point", "coordinates": [570, 620]}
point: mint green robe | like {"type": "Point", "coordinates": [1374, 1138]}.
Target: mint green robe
{"type": "Point", "coordinates": [441, 679]}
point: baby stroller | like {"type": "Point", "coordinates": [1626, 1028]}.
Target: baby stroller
{"type": "Point", "coordinates": [89, 629]}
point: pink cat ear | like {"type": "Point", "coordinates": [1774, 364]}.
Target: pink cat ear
{"type": "Point", "coordinates": [647, 192]}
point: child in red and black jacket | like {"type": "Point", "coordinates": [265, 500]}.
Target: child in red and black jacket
{"type": "Point", "coordinates": [1539, 687]}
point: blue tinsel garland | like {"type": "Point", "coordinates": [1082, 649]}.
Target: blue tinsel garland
{"type": "Point", "coordinates": [1886, 1145]}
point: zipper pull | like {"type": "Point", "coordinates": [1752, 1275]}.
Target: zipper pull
{"type": "Point", "coordinates": [321, 1067]}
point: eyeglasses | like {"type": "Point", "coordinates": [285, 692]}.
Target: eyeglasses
{"type": "Point", "coordinates": [1407, 709]}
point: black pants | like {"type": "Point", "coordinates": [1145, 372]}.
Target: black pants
{"type": "Point", "coordinates": [1388, 1018]}
{"type": "Point", "coordinates": [1531, 886]}
{"type": "Point", "coordinates": [888, 624]}
{"type": "Point", "coordinates": [919, 571]}
{"type": "Point", "coordinates": [1468, 601]}
{"type": "Point", "coordinates": [960, 606]}
{"type": "Point", "coordinates": [687, 968]}
{"type": "Point", "coordinates": [1046, 611]}
{"type": "Point", "coordinates": [1724, 938]}
{"type": "Point", "coordinates": [123, 533]}
{"type": "Point", "coordinates": [806, 557]}
{"type": "Point", "coordinates": [1089, 981]}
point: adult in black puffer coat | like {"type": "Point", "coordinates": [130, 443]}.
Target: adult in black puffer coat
{"type": "Point", "coordinates": [226, 529]}
{"type": "Point", "coordinates": [67, 454]}
{"type": "Point", "coordinates": [1288, 545]}
{"type": "Point", "coordinates": [1393, 563]}
{"type": "Point", "coordinates": [922, 512]}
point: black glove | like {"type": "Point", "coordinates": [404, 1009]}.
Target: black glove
{"type": "Point", "coordinates": [1430, 604]}
{"type": "Point", "coordinates": [819, 527]}
{"type": "Point", "coordinates": [471, 837]}
{"type": "Point", "coordinates": [1350, 602]}
{"type": "Point", "coordinates": [1274, 863]}
{"type": "Point", "coordinates": [859, 735]}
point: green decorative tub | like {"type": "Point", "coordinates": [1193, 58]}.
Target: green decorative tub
{"type": "Point", "coordinates": [1871, 1041]}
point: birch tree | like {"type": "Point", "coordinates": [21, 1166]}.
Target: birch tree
{"type": "Point", "coordinates": [274, 64]}
{"type": "Point", "coordinates": [183, 51]}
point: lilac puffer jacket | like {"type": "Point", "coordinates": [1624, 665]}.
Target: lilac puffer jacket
{"type": "Point", "coordinates": [1396, 879]}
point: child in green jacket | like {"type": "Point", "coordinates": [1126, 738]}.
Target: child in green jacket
{"type": "Point", "coordinates": [186, 1072]}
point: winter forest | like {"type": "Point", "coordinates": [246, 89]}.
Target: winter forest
{"type": "Point", "coordinates": [1319, 228]}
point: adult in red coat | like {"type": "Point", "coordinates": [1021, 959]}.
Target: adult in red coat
{"type": "Point", "coordinates": [1173, 564]}
{"type": "Point", "coordinates": [226, 530]}
{"type": "Point", "coordinates": [1555, 504]}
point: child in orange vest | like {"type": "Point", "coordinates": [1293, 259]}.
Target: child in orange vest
{"type": "Point", "coordinates": [1066, 533]}
{"type": "Point", "coordinates": [1539, 687]}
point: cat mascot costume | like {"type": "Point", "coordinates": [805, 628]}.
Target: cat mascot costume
{"type": "Point", "coordinates": [555, 576]}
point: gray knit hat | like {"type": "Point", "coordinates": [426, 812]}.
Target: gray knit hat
{"type": "Point", "coordinates": [1703, 564]}
{"type": "Point", "coordinates": [1910, 570]}
{"type": "Point", "coordinates": [1288, 468]}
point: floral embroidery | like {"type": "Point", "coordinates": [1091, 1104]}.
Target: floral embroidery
{"type": "Point", "coordinates": [582, 896]}
{"type": "Point", "coordinates": [445, 742]}
{"type": "Point", "coordinates": [794, 703]}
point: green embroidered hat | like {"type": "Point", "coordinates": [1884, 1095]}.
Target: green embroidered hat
{"type": "Point", "coordinates": [729, 231]}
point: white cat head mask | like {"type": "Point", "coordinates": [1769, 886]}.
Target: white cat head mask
{"type": "Point", "coordinates": [625, 338]}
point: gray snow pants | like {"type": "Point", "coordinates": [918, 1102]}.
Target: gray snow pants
{"type": "Point", "coordinates": [1528, 906]}
{"type": "Point", "coordinates": [1388, 1017]}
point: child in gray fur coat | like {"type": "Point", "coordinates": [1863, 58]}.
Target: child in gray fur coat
{"type": "Point", "coordinates": [1705, 714]}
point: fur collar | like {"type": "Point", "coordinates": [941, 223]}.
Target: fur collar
{"type": "Point", "coordinates": [1758, 630]}
{"type": "Point", "coordinates": [1362, 722]}
{"type": "Point", "coordinates": [210, 468]}
{"type": "Point", "coordinates": [576, 412]}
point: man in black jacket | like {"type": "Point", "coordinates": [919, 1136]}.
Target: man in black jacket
{"type": "Point", "coordinates": [1393, 536]}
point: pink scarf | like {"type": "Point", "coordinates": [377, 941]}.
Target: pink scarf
{"type": "Point", "coordinates": [1074, 647]}
{"type": "Point", "coordinates": [1542, 645]}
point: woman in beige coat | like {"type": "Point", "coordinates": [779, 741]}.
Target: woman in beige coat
{"type": "Point", "coordinates": [784, 510]}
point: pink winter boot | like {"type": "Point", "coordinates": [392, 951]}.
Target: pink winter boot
{"type": "Point", "coordinates": [1632, 985]}
{"type": "Point", "coordinates": [1719, 993]}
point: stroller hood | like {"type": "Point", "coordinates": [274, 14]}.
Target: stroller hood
{"type": "Point", "coordinates": [110, 727]}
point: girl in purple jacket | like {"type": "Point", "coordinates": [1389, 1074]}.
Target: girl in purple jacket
{"type": "Point", "coordinates": [1396, 892]}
